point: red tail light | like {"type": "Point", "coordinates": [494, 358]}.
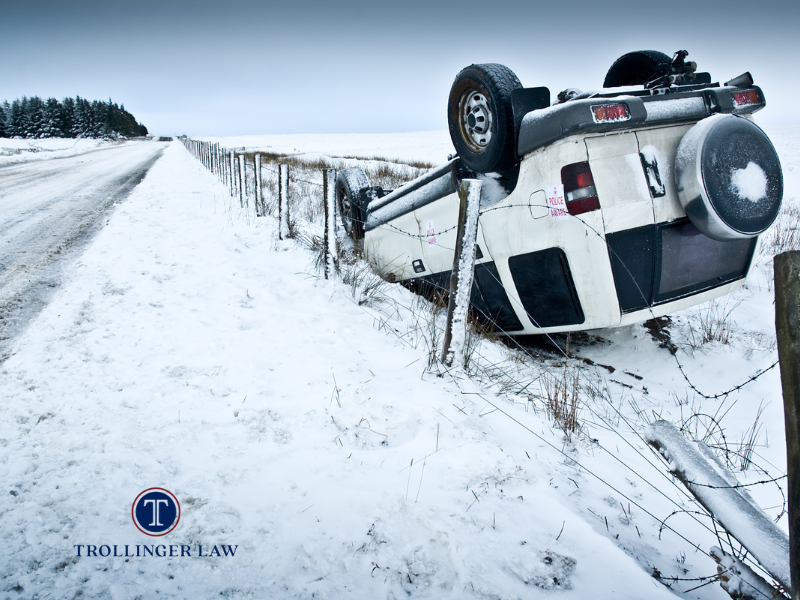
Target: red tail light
{"type": "Point", "coordinates": [579, 190]}
{"type": "Point", "coordinates": [605, 113]}
{"type": "Point", "coordinates": [748, 97]}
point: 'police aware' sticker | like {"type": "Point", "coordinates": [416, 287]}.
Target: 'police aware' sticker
{"type": "Point", "coordinates": [556, 203]}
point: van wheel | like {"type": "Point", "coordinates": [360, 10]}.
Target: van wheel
{"type": "Point", "coordinates": [635, 68]}
{"type": "Point", "coordinates": [480, 118]}
{"type": "Point", "coordinates": [349, 183]}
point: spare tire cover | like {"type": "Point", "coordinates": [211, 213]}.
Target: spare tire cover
{"type": "Point", "coordinates": [728, 177]}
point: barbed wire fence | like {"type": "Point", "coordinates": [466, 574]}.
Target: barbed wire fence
{"type": "Point", "coordinates": [263, 196]}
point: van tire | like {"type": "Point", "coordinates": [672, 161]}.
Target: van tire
{"type": "Point", "coordinates": [480, 118]}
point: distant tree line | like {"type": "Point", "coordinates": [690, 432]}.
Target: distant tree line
{"type": "Point", "coordinates": [77, 117]}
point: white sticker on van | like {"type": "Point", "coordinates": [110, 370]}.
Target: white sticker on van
{"type": "Point", "coordinates": [430, 232]}
{"type": "Point", "coordinates": [556, 203]}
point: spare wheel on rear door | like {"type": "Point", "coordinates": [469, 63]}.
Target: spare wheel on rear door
{"type": "Point", "coordinates": [729, 178]}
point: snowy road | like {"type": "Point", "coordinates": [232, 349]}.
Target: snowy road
{"type": "Point", "coordinates": [48, 209]}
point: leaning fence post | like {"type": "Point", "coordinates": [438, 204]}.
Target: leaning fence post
{"type": "Point", "coordinates": [329, 207]}
{"type": "Point", "coordinates": [787, 328]}
{"type": "Point", "coordinates": [260, 208]}
{"type": "Point", "coordinates": [283, 202]}
{"type": "Point", "coordinates": [454, 345]}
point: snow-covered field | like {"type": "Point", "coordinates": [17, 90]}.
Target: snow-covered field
{"type": "Point", "coordinates": [18, 150]}
{"type": "Point", "coordinates": [429, 146]}
{"type": "Point", "coordinates": [189, 349]}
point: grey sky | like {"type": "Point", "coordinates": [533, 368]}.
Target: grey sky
{"type": "Point", "coordinates": [209, 68]}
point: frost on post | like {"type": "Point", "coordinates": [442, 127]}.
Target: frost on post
{"type": "Point", "coordinates": [466, 270]}
{"type": "Point", "coordinates": [732, 507]}
{"type": "Point", "coordinates": [283, 202]}
{"type": "Point", "coordinates": [330, 223]}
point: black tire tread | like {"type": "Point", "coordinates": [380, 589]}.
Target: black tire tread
{"type": "Point", "coordinates": [624, 63]}
{"type": "Point", "coordinates": [353, 180]}
{"type": "Point", "coordinates": [506, 80]}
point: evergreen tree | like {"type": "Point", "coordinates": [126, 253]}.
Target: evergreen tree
{"type": "Point", "coordinates": [67, 117]}
{"type": "Point", "coordinates": [51, 127]}
{"type": "Point", "coordinates": [14, 119]}
{"type": "Point", "coordinates": [98, 126]}
{"type": "Point", "coordinates": [24, 129]}
{"type": "Point", "coordinates": [36, 118]}
{"type": "Point", "coordinates": [80, 122]}
{"type": "Point", "coordinates": [3, 112]}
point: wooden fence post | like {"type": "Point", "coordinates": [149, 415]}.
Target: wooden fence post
{"type": "Point", "coordinates": [233, 173]}
{"type": "Point", "coordinates": [260, 208]}
{"type": "Point", "coordinates": [454, 346]}
{"type": "Point", "coordinates": [242, 182]}
{"type": "Point", "coordinates": [283, 202]}
{"type": "Point", "coordinates": [787, 328]}
{"type": "Point", "coordinates": [224, 166]}
{"type": "Point", "coordinates": [329, 207]}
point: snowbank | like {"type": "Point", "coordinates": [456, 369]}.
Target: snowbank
{"type": "Point", "coordinates": [17, 150]}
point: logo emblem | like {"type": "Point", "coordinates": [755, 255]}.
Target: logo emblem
{"type": "Point", "coordinates": [156, 512]}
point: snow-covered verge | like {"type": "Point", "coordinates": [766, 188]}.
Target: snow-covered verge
{"type": "Point", "coordinates": [19, 150]}
{"type": "Point", "coordinates": [191, 350]}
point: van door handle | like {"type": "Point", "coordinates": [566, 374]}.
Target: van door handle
{"type": "Point", "coordinates": [650, 165]}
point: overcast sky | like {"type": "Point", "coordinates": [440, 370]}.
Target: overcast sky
{"type": "Point", "coordinates": [219, 68]}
